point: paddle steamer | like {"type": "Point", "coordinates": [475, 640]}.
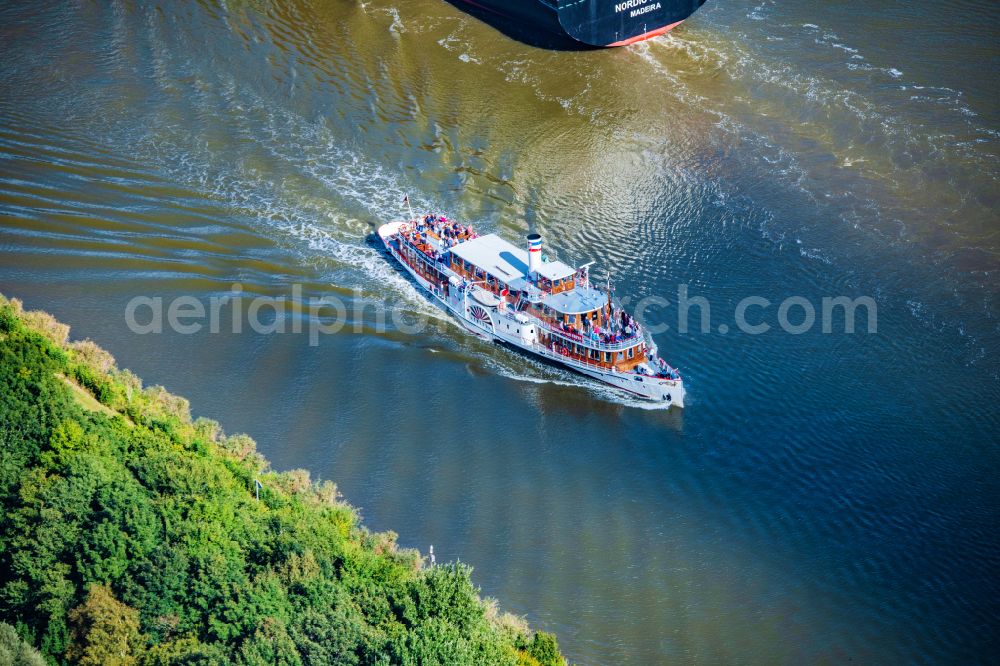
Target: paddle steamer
{"type": "Point", "coordinates": [505, 293]}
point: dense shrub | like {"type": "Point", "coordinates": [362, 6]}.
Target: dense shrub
{"type": "Point", "coordinates": [132, 535]}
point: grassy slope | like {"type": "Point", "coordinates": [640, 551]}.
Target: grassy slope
{"type": "Point", "coordinates": [131, 535]}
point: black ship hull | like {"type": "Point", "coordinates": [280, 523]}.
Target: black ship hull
{"type": "Point", "coordinates": [590, 22]}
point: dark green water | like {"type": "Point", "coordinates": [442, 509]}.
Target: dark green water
{"type": "Point", "coordinates": [822, 498]}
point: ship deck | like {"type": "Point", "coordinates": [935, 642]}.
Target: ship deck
{"type": "Point", "coordinates": [498, 267]}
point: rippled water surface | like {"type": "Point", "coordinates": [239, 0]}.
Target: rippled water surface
{"type": "Point", "coordinates": [822, 498]}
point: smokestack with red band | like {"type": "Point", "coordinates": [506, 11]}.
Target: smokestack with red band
{"type": "Point", "coordinates": [534, 253]}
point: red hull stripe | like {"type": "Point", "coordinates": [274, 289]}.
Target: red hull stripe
{"type": "Point", "coordinates": [646, 35]}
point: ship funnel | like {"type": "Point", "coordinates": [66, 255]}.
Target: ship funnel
{"type": "Point", "coordinates": [534, 253]}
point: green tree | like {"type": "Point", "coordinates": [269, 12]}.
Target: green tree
{"type": "Point", "coordinates": [187, 651]}
{"type": "Point", "coordinates": [545, 649]}
{"type": "Point", "coordinates": [103, 631]}
{"type": "Point", "coordinates": [270, 646]}
{"type": "Point", "coordinates": [16, 652]}
{"type": "Point", "coordinates": [126, 503]}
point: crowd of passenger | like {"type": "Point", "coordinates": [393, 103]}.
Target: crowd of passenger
{"type": "Point", "coordinates": [666, 370]}
{"type": "Point", "coordinates": [619, 327]}
{"type": "Point", "coordinates": [449, 232]}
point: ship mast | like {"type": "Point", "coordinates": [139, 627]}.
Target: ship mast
{"type": "Point", "coordinates": [584, 272]}
{"type": "Point", "coordinates": [610, 323]}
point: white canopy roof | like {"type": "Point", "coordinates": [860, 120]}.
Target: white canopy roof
{"type": "Point", "coordinates": [575, 301]}
{"type": "Point", "coordinates": [505, 261]}
{"type": "Point", "coordinates": [555, 270]}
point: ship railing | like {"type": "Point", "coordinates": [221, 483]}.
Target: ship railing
{"type": "Point", "coordinates": [417, 226]}
{"type": "Point", "coordinates": [436, 262]}
{"type": "Point", "coordinates": [588, 341]}
{"type": "Point", "coordinates": [597, 363]}
{"type": "Point", "coordinates": [572, 358]}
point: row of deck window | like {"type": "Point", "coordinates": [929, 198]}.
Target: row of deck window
{"type": "Point", "coordinates": [414, 254]}
{"type": "Point", "coordinates": [608, 356]}
{"type": "Point", "coordinates": [475, 271]}
{"type": "Point", "coordinates": [569, 318]}
{"type": "Point", "coordinates": [555, 286]}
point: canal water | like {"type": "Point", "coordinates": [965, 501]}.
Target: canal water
{"type": "Point", "coordinates": [824, 497]}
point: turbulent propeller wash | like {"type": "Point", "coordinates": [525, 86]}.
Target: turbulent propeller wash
{"type": "Point", "coordinates": [548, 308]}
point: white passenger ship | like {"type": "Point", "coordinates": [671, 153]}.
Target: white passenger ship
{"type": "Point", "coordinates": [501, 292]}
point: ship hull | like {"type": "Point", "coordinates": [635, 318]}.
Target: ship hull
{"type": "Point", "coordinates": [502, 327]}
{"type": "Point", "coordinates": [601, 23]}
